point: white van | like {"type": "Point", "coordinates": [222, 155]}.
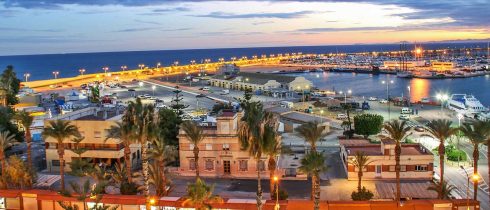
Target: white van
{"type": "Point", "coordinates": [287, 104]}
{"type": "Point", "coordinates": [406, 110]}
{"type": "Point", "coordinates": [206, 88]}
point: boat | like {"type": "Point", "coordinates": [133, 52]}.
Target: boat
{"type": "Point", "coordinates": [404, 74]}
{"type": "Point", "coordinates": [466, 104]}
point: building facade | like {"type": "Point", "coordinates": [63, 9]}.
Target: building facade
{"type": "Point", "coordinates": [219, 153]}
{"type": "Point", "coordinates": [100, 150]}
{"type": "Point", "coordinates": [261, 81]}
{"type": "Point", "coordinates": [416, 161]}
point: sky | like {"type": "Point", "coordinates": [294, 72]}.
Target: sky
{"type": "Point", "coordinates": [66, 26]}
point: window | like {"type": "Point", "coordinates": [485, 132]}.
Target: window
{"type": "Point", "coordinates": [261, 165]}
{"type": "Point", "coordinates": [392, 168]}
{"type": "Point", "coordinates": [209, 165]}
{"type": "Point", "coordinates": [55, 162]}
{"type": "Point", "coordinates": [421, 168]}
{"type": "Point", "coordinates": [243, 165]}
{"type": "Point", "coordinates": [226, 147]}
{"type": "Point", "coordinates": [209, 147]}
{"type": "Point", "coordinates": [192, 164]}
{"type": "Point", "coordinates": [97, 134]}
{"type": "Point", "coordinates": [191, 146]}
{"type": "Point", "coordinates": [403, 168]}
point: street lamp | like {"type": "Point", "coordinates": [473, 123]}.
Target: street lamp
{"type": "Point", "coordinates": [124, 67]}
{"type": "Point", "coordinates": [141, 66]}
{"type": "Point", "coordinates": [153, 87]}
{"type": "Point", "coordinates": [159, 64]}
{"type": "Point", "coordinates": [475, 178]}
{"type": "Point", "coordinates": [409, 95]}
{"type": "Point", "coordinates": [56, 73]}
{"type": "Point", "coordinates": [443, 98]}
{"type": "Point", "coordinates": [105, 69]}
{"type": "Point", "coordinates": [140, 84]}
{"type": "Point", "coordinates": [276, 182]}
{"type": "Point", "coordinates": [27, 75]}
{"type": "Point", "coordinates": [460, 117]}
{"type": "Point", "coordinates": [82, 70]}
{"type": "Point", "coordinates": [388, 96]}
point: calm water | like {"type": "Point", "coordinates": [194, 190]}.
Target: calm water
{"type": "Point", "coordinates": [371, 85]}
{"type": "Point", "coordinates": [42, 66]}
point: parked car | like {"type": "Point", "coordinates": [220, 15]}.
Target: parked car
{"type": "Point", "coordinates": [404, 117]}
{"type": "Point", "coordinates": [383, 101]}
{"type": "Point", "coordinates": [206, 88]}
{"type": "Point", "coordinates": [406, 110]}
{"type": "Point", "coordinates": [419, 128]}
{"type": "Point", "coordinates": [373, 99]}
{"type": "Point", "coordinates": [341, 116]}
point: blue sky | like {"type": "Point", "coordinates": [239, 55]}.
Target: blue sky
{"type": "Point", "coordinates": [64, 26]}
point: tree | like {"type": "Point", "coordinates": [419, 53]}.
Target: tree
{"type": "Point", "coordinates": [477, 133]}
{"type": "Point", "coordinates": [313, 164]}
{"type": "Point", "coordinates": [17, 175]}
{"type": "Point", "coordinates": [25, 121]}
{"type": "Point", "coordinates": [6, 140]}
{"type": "Point", "coordinates": [119, 176]}
{"type": "Point", "coordinates": [311, 132]}
{"type": "Point", "coordinates": [79, 166]}
{"type": "Point", "coordinates": [444, 190]}
{"type": "Point", "coordinates": [84, 192]}
{"type": "Point", "coordinates": [168, 124]}
{"type": "Point", "coordinates": [257, 129]}
{"type": "Point", "coordinates": [61, 130]}
{"type": "Point", "coordinates": [200, 196]}
{"type": "Point", "coordinates": [176, 105]}
{"type": "Point", "coordinates": [142, 117]}
{"type": "Point", "coordinates": [362, 195]}
{"type": "Point", "coordinates": [272, 150]}
{"type": "Point", "coordinates": [161, 153]}
{"type": "Point", "coordinates": [6, 120]}
{"type": "Point", "coordinates": [360, 161]}
{"type": "Point", "coordinates": [95, 93]}
{"type": "Point", "coordinates": [124, 132]}
{"type": "Point", "coordinates": [398, 131]}
{"type": "Point", "coordinates": [441, 129]}
{"type": "Point", "coordinates": [195, 135]}
{"type": "Point", "coordinates": [11, 84]}
{"type": "Point", "coordinates": [368, 124]}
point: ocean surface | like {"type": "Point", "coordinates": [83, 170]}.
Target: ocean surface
{"type": "Point", "coordinates": [41, 66]}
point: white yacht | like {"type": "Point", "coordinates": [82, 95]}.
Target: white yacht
{"type": "Point", "coordinates": [465, 104]}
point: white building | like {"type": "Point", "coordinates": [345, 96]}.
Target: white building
{"type": "Point", "coordinates": [261, 81]}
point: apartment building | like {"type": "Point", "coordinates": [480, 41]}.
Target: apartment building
{"type": "Point", "coordinates": [93, 124]}
{"type": "Point", "coordinates": [219, 153]}
{"type": "Point", "coordinates": [416, 161]}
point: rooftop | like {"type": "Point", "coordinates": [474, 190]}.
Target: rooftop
{"type": "Point", "coordinates": [258, 78]}
{"type": "Point", "coordinates": [373, 149]}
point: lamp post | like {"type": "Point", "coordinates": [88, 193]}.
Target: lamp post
{"type": "Point", "coordinates": [82, 71]}
{"type": "Point", "coordinates": [141, 66]}
{"type": "Point", "coordinates": [409, 95]}
{"type": "Point", "coordinates": [388, 96]}
{"type": "Point", "coordinates": [443, 98]}
{"type": "Point", "coordinates": [276, 181]}
{"type": "Point", "coordinates": [123, 68]}
{"type": "Point", "coordinates": [153, 87]}
{"type": "Point", "coordinates": [105, 69]}
{"type": "Point", "coordinates": [27, 75]}
{"type": "Point", "coordinates": [56, 73]}
{"type": "Point", "coordinates": [475, 178]}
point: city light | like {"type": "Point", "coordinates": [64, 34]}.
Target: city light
{"type": "Point", "coordinates": [27, 75]}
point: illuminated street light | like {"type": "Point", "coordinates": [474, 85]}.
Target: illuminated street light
{"type": "Point", "coordinates": [140, 84]}
{"type": "Point", "coordinates": [141, 66]}
{"type": "Point", "coordinates": [153, 87]}
{"type": "Point", "coordinates": [124, 67]}
{"type": "Point", "coordinates": [56, 73]}
{"type": "Point", "coordinates": [388, 96]}
{"type": "Point", "coordinates": [276, 183]}
{"type": "Point", "coordinates": [443, 98]}
{"type": "Point", "coordinates": [105, 69]}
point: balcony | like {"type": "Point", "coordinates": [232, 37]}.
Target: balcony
{"type": "Point", "coordinates": [225, 153]}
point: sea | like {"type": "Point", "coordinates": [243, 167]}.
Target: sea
{"type": "Point", "coordinates": [41, 67]}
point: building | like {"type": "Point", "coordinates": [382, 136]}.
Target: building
{"type": "Point", "coordinates": [398, 64]}
{"type": "Point", "coordinates": [416, 161]}
{"type": "Point", "coordinates": [442, 66]}
{"type": "Point", "coordinates": [93, 124]}
{"type": "Point", "coordinates": [3, 97]}
{"type": "Point", "coordinates": [261, 82]}
{"type": "Point", "coordinates": [219, 153]}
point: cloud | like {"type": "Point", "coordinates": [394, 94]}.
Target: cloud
{"type": "Point", "coordinates": [28, 29]}
{"type": "Point", "coordinates": [280, 15]}
{"type": "Point", "coordinates": [150, 29]}
{"type": "Point", "coordinates": [262, 22]}
{"type": "Point", "coordinates": [174, 9]}
{"type": "Point", "coordinates": [321, 30]}
{"type": "Point", "coordinates": [147, 22]}
{"type": "Point", "coordinates": [8, 13]}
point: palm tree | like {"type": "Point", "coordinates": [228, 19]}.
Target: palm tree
{"type": "Point", "coordinates": [124, 132]}
{"type": "Point", "coordinates": [312, 132]}
{"type": "Point", "coordinates": [195, 135]}
{"type": "Point", "coordinates": [162, 154]}
{"type": "Point", "coordinates": [6, 140]}
{"type": "Point", "coordinates": [142, 118]}
{"type": "Point", "coordinates": [360, 161]}
{"type": "Point", "coordinates": [313, 164]}
{"type": "Point", "coordinates": [61, 130]}
{"type": "Point", "coordinates": [441, 129]}
{"type": "Point", "coordinates": [26, 121]}
{"type": "Point", "coordinates": [272, 150]}
{"type": "Point", "coordinates": [256, 131]}
{"type": "Point", "coordinates": [397, 130]}
{"type": "Point", "coordinates": [444, 190]}
{"type": "Point", "coordinates": [200, 196]}
{"type": "Point", "coordinates": [476, 132]}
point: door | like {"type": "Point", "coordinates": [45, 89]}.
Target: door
{"type": "Point", "coordinates": [378, 170]}
{"type": "Point", "coordinates": [226, 166]}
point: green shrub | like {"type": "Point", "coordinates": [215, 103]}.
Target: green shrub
{"type": "Point", "coordinates": [368, 124]}
{"type": "Point", "coordinates": [456, 155]}
{"type": "Point", "coordinates": [363, 195]}
{"type": "Point", "coordinates": [128, 188]}
{"type": "Point", "coordinates": [283, 195]}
